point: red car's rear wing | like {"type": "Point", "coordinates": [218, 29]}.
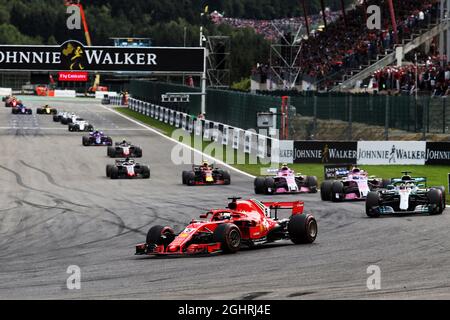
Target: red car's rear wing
{"type": "Point", "coordinates": [296, 206]}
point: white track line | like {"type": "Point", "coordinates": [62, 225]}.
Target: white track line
{"type": "Point", "coordinates": [177, 142]}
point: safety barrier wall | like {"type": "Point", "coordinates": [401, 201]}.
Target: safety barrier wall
{"type": "Point", "coordinates": [248, 141]}
{"type": "Point", "coordinates": [65, 94]}
{"type": "Point", "coordinates": [102, 94]}
{"type": "Point", "coordinates": [325, 152]}
{"type": "Point", "coordinates": [366, 152]}
{"type": "Point", "coordinates": [5, 92]}
{"type": "Point", "coordinates": [231, 107]}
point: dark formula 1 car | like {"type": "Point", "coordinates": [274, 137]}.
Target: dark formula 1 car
{"type": "Point", "coordinates": [47, 110]}
{"type": "Point", "coordinates": [127, 169]}
{"type": "Point", "coordinates": [124, 149]}
{"type": "Point", "coordinates": [21, 109]}
{"type": "Point", "coordinates": [97, 138]}
{"type": "Point", "coordinates": [285, 181]}
{"type": "Point", "coordinates": [243, 223]}
{"type": "Point", "coordinates": [353, 184]}
{"type": "Point", "coordinates": [406, 195]}
{"type": "Point", "coordinates": [206, 175]}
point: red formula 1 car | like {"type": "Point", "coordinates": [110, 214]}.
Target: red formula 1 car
{"type": "Point", "coordinates": [243, 223]}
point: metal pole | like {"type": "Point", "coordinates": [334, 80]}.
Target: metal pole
{"type": "Point", "coordinates": [441, 35]}
{"type": "Point", "coordinates": [203, 106]}
{"type": "Point", "coordinates": [393, 20]}
{"type": "Point", "coordinates": [447, 30]}
{"type": "Point", "coordinates": [350, 117]}
{"type": "Point", "coordinates": [322, 3]}
{"type": "Point", "coordinates": [315, 118]}
{"type": "Point", "coordinates": [417, 76]}
{"type": "Point", "coordinates": [305, 13]}
{"type": "Point", "coordinates": [343, 12]}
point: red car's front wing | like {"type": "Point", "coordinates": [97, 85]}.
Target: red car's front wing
{"type": "Point", "coordinates": [193, 249]}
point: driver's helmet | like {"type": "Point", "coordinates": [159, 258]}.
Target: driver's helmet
{"type": "Point", "coordinates": [356, 170]}
{"type": "Point", "coordinates": [124, 141]}
{"type": "Point", "coordinates": [96, 132]}
{"type": "Point", "coordinates": [285, 167]}
{"type": "Point", "coordinates": [226, 216]}
{"type": "Point", "coordinates": [205, 164]}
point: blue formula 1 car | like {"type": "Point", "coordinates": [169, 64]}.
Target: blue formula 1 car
{"type": "Point", "coordinates": [97, 138]}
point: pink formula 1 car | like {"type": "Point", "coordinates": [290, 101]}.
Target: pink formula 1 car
{"type": "Point", "coordinates": [285, 181]}
{"type": "Point", "coordinates": [354, 184]}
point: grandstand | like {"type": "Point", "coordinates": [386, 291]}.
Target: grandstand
{"type": "Point", "coordinates": [347, 56]}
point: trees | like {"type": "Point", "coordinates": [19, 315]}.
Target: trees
{"type": "Point", "coordinates": [165, 22]}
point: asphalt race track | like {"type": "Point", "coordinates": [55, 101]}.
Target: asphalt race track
{"type": "Point", "coordinates": [58, 209]}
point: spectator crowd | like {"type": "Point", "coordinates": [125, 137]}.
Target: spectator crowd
{"type": "Point", "coordinates": [347, 43]}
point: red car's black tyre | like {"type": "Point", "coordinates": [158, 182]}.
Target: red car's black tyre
{"type": "Point", "coordinates": [108, 170]}
{"type": "Point", "coordinates": [435, 197]}
{"type": "Point", "coordinates": [114, 173]}
{"type": "Point", "coordinates": [260, 186]}
{"type": "Point", "coordinates": [145, 172]}
{"type": "Point", "coordinates": [372, 200]}
{"type": "Point", "coordinates": [111, 152]}
{"type": "Point", "coordinates": [39, 111]}
{"type": "Point", "coordinates": [337, 191]}
{"type": "Point", "coordinates": [158, 235]}
{"type": "Point", "coordinates": [325, 190]}
{"type": "Point", "coordinates": [302, 228]}
{"type": "Point", "coordinates": [229, 237]}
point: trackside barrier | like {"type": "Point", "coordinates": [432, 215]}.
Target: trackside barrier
{"type": "Point", "coordinates": [5, 92]}
{"type": "Point", "coordinates": [101, 94]}
{"type": "Point", "coordinates": [358, 152]}
{"type": "Point", "coordinates": [250, 142]}
{"type": "Point", "coordinates": [65, 94]}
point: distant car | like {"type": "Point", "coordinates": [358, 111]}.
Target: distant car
{"type": "Point", "coordinates": [354, 184]}
{"type": "Point", "coordinates": [123, 150]}
{"type": "Point", "coordinates": [244, 223]}
{"type": "Point", "coordinates": [70, 118]}
{"type": "Point", "coordinates": [21, 109]}
{"type": "Point", "coordinates": [10, 102]}
{"type": "Point", "coordinates": [406, 195]}
{"type": "Point", "coordinates": [127, 169]}
{"type": "Point", "coordinates": [79, 124]}
{"type": "Point", "coordinates": [62, 117]}
{"type": "Point", "coordinates": [285, 181]}
{"type": "Point", "coordinates": [47, 110]}
{"type": "Point", "coordinates": [206, 175]}
{"type": "Point", "coordinates": [97, 138]}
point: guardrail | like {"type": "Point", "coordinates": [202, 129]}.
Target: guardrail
{"type": "Point", "coordinates": [248, 141]}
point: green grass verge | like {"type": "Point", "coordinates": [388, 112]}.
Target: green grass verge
{"type": "Point", "coordinates": [436, 175]}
